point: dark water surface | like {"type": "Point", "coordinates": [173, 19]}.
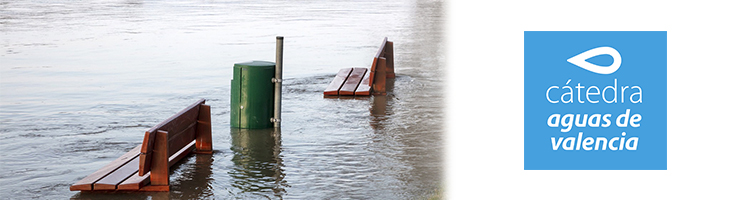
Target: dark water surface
{"type": "Point", "coordinates": [80, 82]}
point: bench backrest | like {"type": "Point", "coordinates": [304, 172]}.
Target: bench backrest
{"type": "Point", "coordinates": [385, 52]}
{"type": "Point", "coordinates": [173, 134]}
{"type": "Point", "coordinates": [381, 53]}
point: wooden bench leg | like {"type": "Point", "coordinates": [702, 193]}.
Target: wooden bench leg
{"type": "Point", "coordinates": [203, 142]}
{"type": "Point", "coordinates": [389, 60]}
{"type": "Point", "coordinates": [160, 163]}
{"type": "Point", "coordinates": [378, 85]}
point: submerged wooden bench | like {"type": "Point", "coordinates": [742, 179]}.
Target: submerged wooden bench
{"type": "Point", "coordinates": [361, 81]}
{"type": "Point", "coordinates": [146, 167]}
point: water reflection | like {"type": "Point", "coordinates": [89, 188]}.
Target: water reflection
{"type": "Point", "coordinates": [258, 168]}
{"type": "Point", "coordinates": [195, 181]}
{"type": "Point", "coordinates": [379, 103]}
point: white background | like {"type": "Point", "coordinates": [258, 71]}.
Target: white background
{"type": "Point", "coordinates": [708, 96]}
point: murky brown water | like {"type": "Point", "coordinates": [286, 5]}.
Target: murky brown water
{"type": "Point", "coordinates": [80, 81]}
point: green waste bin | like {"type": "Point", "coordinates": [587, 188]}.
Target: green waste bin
{"type": "Point", "coordinates": [252, 95]}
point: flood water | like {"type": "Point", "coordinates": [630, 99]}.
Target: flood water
{"type": "Point", "coordinates": [81, 81]}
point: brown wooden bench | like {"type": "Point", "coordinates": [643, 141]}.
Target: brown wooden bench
{"type": "Point", "coordinates": [146, 167]}
{"type": "Point", "coordinates": [364, 82]}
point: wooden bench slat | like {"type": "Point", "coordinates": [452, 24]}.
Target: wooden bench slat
{"type": "Point", "coordinates": [352, 81]}
{"type": "Point", "coordinates": [379, 78]}
{"type": "Point", "coordinates": [364, 89]}
{"type": "Point", "coordinates": [183, 118]}
{"type": "Point", "coordinates": [144, 160]}
{"type": "Point", "coordinates": [381, 50]}
{"type": "Point", "coordinates": [87, 183]}
{"type": "Point", "coordinates": [177, 156]}
{"type": "Point", "coordinates": [178, 140]}
{"type": "Point", "coordinates": [110, 181]}
{"type": "Point", "coordinates": [137, 182]}
{"type": "Point", "coordinates": [388, 54]}
{"type": "Point", "coordinates": [337, 82]}
{"type": "Point", "coordinates": [373, 70]}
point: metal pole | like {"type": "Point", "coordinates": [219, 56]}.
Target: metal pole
{"type": "Point", "coordinates": [277, 82]}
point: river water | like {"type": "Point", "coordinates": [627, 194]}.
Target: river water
{"type": "Point", "coordinates": [80, 82]}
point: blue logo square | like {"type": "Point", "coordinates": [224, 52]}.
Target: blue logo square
{"type": "Point", "coordinates": [595, 100]}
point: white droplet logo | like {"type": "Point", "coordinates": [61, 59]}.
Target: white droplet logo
{"type": "Point", "coordinates": [580, 60]}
